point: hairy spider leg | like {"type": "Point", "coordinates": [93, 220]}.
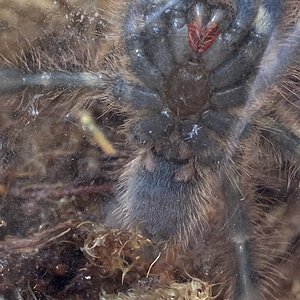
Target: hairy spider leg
{"type": "Point", "coordinates": [124, 92]}
{"type": "Point", "coordinates": [287, 141]}
{"type": "Point", "coordinates": [228, 41]}
{"type": "Point", "coordinates": [251, 52]}
{"type": "Point", "coordinates": [232, 81]}
{"type": "Point", "coordinates": [240, 235]}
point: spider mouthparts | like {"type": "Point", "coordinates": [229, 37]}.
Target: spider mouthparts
{"type": "Point", "coordinates": [203, 26]}
{"type": "Point", "coordinates": [201, 38]}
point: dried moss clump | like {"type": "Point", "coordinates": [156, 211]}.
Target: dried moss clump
{"type": "Point", "coordinates": [194, 290]}
{"type": "Point", "coordinates": [86, 261]}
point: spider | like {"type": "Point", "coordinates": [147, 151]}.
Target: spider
{"type": "Point", "coordinates": [211, 90]}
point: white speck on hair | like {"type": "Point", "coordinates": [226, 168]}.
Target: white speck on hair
{"type": "Point", "coordinates": [32, 108]}
{"type": "Point", "coordinates": [194, 131]}
{"type": "Point", "coordinates": [165, 113]}
{"type": "Point", "coordinates": [46, 76]}
{"type": "Point", "coordinates": [33, 111]}
{"type": "Point", "coordinates": [37, 97]}
{"type": "Point", "coordinates": [262, 21]}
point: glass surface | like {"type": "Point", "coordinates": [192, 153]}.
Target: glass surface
{"type": "Point", "coordinates": [149, 149]}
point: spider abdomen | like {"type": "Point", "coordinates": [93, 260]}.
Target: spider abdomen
{"type": "Point", "coordinates": [157, 196]}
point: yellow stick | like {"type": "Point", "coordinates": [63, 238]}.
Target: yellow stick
{"type": "Point", "coordinates": [90, 125]}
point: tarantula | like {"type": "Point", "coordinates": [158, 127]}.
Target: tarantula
{"type": "Point", "coordinates": [211, 89]}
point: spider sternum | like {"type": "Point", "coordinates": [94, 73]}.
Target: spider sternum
{"type": "Point", "coordinates": [193, 92]}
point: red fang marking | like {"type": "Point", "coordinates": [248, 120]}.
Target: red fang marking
{"type": "Point", "coordinates": [200, 39]}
